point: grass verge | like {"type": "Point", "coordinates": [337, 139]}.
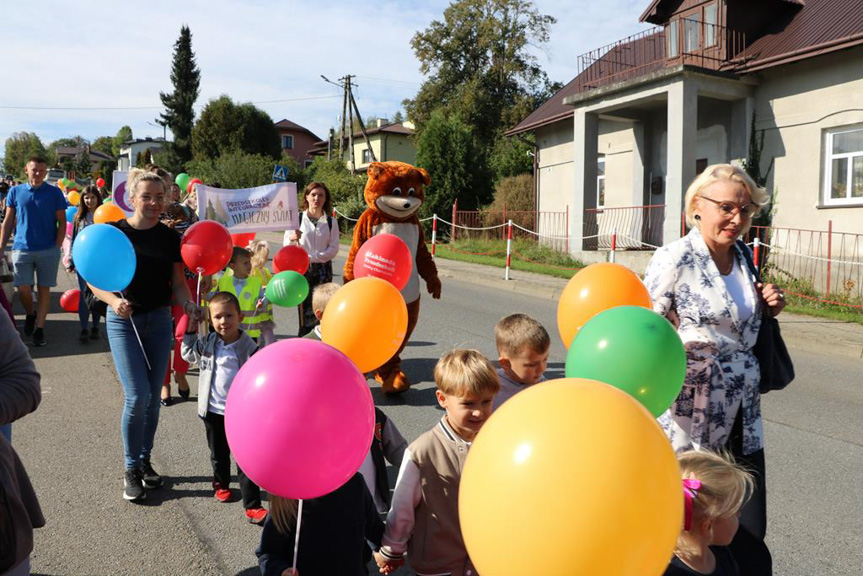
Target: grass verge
{"type": "Point", "coordinates": [527, 256]}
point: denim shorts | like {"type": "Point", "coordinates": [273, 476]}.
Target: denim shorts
{"type": "Point", "coordinates": [43, 262]}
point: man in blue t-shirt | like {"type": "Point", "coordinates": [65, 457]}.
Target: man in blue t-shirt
{"type": "Point", "coordinates": [39, 211]}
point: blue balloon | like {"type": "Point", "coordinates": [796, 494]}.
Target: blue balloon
{"type": "Point", "coordinates": [104, 256]}
{"type": "Point", "coordinates": [70, 213]}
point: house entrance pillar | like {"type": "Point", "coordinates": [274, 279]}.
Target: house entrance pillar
{"type": "Point", "coordinates": [682, 140]}
{"type": "Point", "coordinates": [585, 144]}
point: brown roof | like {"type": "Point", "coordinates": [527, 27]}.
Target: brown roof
{"type": "Point", "coordinates": [286, 124]}
{"type": "Point", "coordinates": [658, 10]}
{"type": "Point", "coordinates": [817, 27]}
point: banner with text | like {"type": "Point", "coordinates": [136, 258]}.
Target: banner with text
{"type": "Point", "coordinates": [261, 209]}
{"type": "Point", "coordinates": [119, 194]}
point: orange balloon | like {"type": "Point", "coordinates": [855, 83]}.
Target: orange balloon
{"type": "Point", "coordinates": [74, 198]}
{"type": "Point", "coordinates": [108, 213]}
{"type": "Point", "coordinates": [580, 502]}
{"type": "Point", "coordinates": [366, 320]}
{"type": "Point", "coordinates": [594, 289]}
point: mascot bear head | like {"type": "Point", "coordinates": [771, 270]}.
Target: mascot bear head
{"type": "Point", "coordinates": [395, 189]}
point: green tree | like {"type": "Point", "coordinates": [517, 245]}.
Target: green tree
{"type": "Point", "coordinates": [510, 157]}
{"type": "Point", "coordinates": [233, 169]}
{"type": "Point", "coordinates": [104, 144]}
{"type": "Point", "coordinates": [124, 134]}
{"type": "Point", "coordinates": [227, 127]}
{"type": "Point", "coordinates": [479, 64]}
{"type": "Point", "coordinates": [179, 114]}
{"type": "Point", "coordinates": [19, 147]}
{"type": "Point", "coordinates": [455, 161]}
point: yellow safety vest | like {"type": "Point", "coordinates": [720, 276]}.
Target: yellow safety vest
{"type": "Point", "coordinates": [264, 276]}
{"type": "Point", "coordinates": [248, 297]}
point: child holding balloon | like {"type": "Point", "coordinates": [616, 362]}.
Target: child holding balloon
{"type": "Point", "coordinates": [714, 490]}
{"type": "Point", "coordinates": [522, 348]}
{"type": "Point", "coordinates": [84, 216]}
{"type": "Point", "coordinates": [334, 530]}
{"type": "Point", "coordinates": [260, 250]}
{"type": "Point", "coordinates": [220, 355]}
{"type": "Point", "coordinates": [248, 290]}
{"type": "Point", "coordinates": [424, 520]}
{"type": "Point", "coordinates": [320, 297]}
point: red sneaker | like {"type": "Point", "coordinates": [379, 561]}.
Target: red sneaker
{"type": "Point", "coordinates": [256, 515]}
{"type": "Point", "coordinates": [222, 494]}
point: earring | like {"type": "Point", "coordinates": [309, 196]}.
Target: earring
{"type": "Point", "coordinates": [697, 217]}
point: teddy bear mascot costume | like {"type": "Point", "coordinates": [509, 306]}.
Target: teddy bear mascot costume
{"type": "Point", "coordinates": [394, 194]}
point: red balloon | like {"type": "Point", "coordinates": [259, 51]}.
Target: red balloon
{"type": "Point", "coordinates": [100, 182]}
{"type": "Point", "coordinates": [385, 256]}
{"type": "Point", "coordinates": [70, 299]}
{"type": "Point", "coordinates": [242, 240]}
{"type": "Point", "coordinates": [191, 184]}
{"type": "Point", "coordinates": [291, 258]}
{"type": "Point", "coordinates": [206, 247]}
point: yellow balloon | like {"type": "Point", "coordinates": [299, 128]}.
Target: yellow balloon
{"type": "Point", "coordinates": [366, 320]}
{"type": "Point", "coordinates": [74, 198]}
{"type": "Point", "coordinates": [581, 476]}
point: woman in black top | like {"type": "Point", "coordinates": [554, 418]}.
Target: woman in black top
{"type": "Point", "coordinates": [145, 306]}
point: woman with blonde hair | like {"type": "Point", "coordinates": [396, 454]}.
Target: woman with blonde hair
{"type": "Point", "coordinates": [703, 285]}
{"type": "Point", "coordinates": [140, 330]}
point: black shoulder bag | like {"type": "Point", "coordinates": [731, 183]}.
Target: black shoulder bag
{"type": "Point", "coordinates": [777, 370]}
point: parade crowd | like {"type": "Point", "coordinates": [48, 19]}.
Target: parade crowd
{"type": "Point", "coordinates": [700, 283]}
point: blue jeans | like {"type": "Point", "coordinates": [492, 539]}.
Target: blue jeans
{"type": "Point", "coordinates": [83, 311]}
{"type": "Point", "coordinates": [141, 386]}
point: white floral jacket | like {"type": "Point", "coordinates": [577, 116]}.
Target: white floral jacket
{"type": "Point", "coordinates": [722, 375]}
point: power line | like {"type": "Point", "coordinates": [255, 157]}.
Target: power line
{"type": "Point", "coordinates": [104, 108]}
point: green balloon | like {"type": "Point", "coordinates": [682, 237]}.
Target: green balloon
{"type": "Point", "coordinates": [287, 289]}
{"type": "Point", "coordinates": [182, 180]}
{"type": "Point", "coordinates": [633, 349]}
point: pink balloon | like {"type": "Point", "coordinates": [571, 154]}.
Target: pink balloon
{"type": "Point", "coordinates": [385, 256]}
{"type": "Point", "coordinates": [296, 429]}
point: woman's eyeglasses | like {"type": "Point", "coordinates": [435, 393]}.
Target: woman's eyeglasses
{"type": "Point", "coordinates": [730, 209]}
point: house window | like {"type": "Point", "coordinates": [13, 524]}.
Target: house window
{"type": "Point", "coordinates": [710, 22]}
{"type": "Point", "coordinates": [367, 156]}
{"type": "Point", "coordinates": [287, 142]}
{"type": "Point", "coordinates": [600, 182]}
{"type": "Point", "coordinates": [672, 39]}
{"type": "Point", "coordinates": [691, 35]}
{"type": "Point", "coordinates": [844, 167]}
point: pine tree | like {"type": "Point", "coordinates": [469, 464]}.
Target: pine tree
{"type": "Point", "coordinates": [179, 114]}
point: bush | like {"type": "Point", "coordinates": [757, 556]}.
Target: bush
{"type": "Point", "coordinates": [233, 170]}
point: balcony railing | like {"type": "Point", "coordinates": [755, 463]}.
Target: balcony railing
{"type": "Point", "coordinates": [694, 43]}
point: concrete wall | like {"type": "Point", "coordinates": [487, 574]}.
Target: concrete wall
{"type": "Point", "coordinates": [795, 106]}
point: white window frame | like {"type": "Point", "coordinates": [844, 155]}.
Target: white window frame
{"type": "Point", "coordinates": [692, 22]}
{"type": "Point", "coordinates": [600, 180]}
{"type": "Point", "coordinates": [829, 157]}
{"type": "Point", "coordinates": [711, 29]}
{"type": "Point", "coordinates": [673, 39]}
{"type": "Point", "coordinates": [289, 140]}
{"type": "Point", "coordinates": [367, 156]}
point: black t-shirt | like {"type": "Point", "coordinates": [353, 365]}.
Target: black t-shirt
{"type": "Point", "coordinates": [725, 565]}
{"type": "Point", "coordinates": [157, 250]}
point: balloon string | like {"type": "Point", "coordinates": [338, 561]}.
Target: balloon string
{"type": "Point", "coordinates": [138, 336]}
{"type": "Point", "coordinates": [297, 537]}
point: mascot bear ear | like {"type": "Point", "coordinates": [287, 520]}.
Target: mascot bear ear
{"type": "Point", "coordinates": [376, 169]}
{"type": "Point", "coordinates": [425, 176]}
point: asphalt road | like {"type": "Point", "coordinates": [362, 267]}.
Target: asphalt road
{"type": "Point", "coordinates": [73, 452]}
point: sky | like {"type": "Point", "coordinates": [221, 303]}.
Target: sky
{"type": "Point", "coordinates": [60, 58]}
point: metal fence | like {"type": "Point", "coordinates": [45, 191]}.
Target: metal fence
{"type": "Point", "coordinates": [637, 227]}
{"type": "Point", "coordinates": [824, 261]}
{"type": "Point", "coordinates": [548, 228]}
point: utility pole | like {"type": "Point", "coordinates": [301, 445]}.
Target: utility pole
{"type": "Point", "coordinates": [349, 108]}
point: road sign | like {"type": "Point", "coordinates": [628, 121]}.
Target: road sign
{"type": "Point", "coordinates": [280, 173]}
